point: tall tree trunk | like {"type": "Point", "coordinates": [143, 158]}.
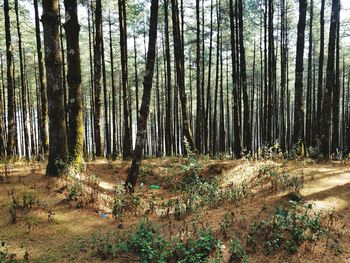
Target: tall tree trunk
{"type": "Point", "coordinates": [127, 137]}
{"type": "Point", "coordinates": [271, 80]}
{"type": "Point", "coordinates": [320, 71]}
{"type": "Point", "coordinates": [53, 62]}
{"type": "Point", "coordinates": [298, 134]}
{"type": "Point", "coordinates": [236, 126]}
{"type": "Point", "coordinates": [336, 91]}
{"type": "Point", "coordinates": [2, 109]}
{"type": "Point", "coordinates": [98, 78]}
{"type": "Point", "coordinates": [114, 121]}
{"type": "Point", "coordinates": [199, 110]}
{"type": "Point", "coordinates": [44, 139]}
{"type": "Point", "coordinates": [309, 81]}
{"type": "Point", "coordinates": [10, 84]}
{"type": "Point", "coordinates": [168, 115]}
{"type": "Point", "coordinates": [327, 98]}
{"type": "Point", "coordinates": [247, 138]}
{"type": "Point", "coordinates": [207, 125]}
{"type": "Point", "coordinates": [23, 85]}
{"type": "Point", "coordinates": [179, 59]}
{"type": "Point", "coordinates": [283, 75]}
{"type": "Point", "coordinates": [76, 126]}
{"type": "Point", "coordinates": [146, 99]}
{"type": "Point", "coordinates": [105, 102]}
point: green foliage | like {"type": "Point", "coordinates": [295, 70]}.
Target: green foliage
{"type": "Point", "coordinates": [151, 246]}
{"type": "Point", "coordinates": [196, 249]}
{"type": "Point", "coordinates": [146, 170]}
{"type": "Point", "coordinates": [105, 246]}
{"type": "Point", "coordinates": [268, 174]}
{"type": "Point", "coordinates": [29, 201]}
{"type": "Point", "coordinates": [287, 229]}
{"type": "Point", "coordinates": [120, 201]}
{"type": "Point", "coordinates": [74, 191]}
{"type": "Point", "coordinates": [237, 251]}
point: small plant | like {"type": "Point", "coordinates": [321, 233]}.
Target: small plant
{"type": "Point", "coordinates": [146, 170]}
{"type": "Point", "coordinates": [29, 201]}
{"type": "Point", "coordinates": [287, 229]}
{"type": "Point", "coordinates": [238, 254]}
{"type": "Point", "coordinates": [151, 246]}
{"type": "Point", "coordinates": [13, 206]}
{"type": "Point", "coordinates": [119, 202]}
{"type": "Point", "coordinates": [106, 247]}
{"type": "Point", "coordinates": [196, 250]}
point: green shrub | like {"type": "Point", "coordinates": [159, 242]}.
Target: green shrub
{"type": "Point", "coordinates": [196, 249]}
{"type": "Point", "coordinates": [151, 246]}
{"type": "Point", "coordinates": [237, 252]}
{"type": "Point", "coordinates": [287, 229]}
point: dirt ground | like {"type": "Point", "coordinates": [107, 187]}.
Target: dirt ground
{"type": "Point", "coordinates": [66, 236]}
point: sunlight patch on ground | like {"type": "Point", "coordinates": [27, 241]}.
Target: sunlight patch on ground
{"type": "Point", "coordinates": [326, 183]}
{"type": "Point", "coordinates": [106, 186]}
{"type": "Point", "coordinates": [330, 203]}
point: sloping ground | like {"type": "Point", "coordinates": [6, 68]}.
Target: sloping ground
{"type": "Point", "coordinates": [67, 236]}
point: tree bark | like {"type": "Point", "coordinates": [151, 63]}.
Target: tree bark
{"type": "Point", "coordinates": [179, 60]}
{"type": "Point", "coordinates": [127, 136]}
{"type": "Point", "coordinates": [75, 106]}
{"type": "Point", "coordinates": [146, 98]}
{"type": "Point", "coordinates": [53, 61]}
{"type": "Point", "coordinates": [298, 134]}
{"type": "Point", "coordinates": [43, 93]}
{"type": "Point", "coordinates": [10, 84]}
{"type": "Point", "coordinates": [327, 98]}
{"type": "Point", "coordinates": [98, 78]}
{"type": "Point", "coordinates": [236, 127]}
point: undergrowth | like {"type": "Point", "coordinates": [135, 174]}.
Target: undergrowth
{"type": "Point", "coordinates": [150, 246]}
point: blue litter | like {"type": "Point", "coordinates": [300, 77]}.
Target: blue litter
{"type": "Point", "coordinates": [104, 216]}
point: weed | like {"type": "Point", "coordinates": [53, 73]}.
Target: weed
{"type": "Point", "coordinates": [196, 249]}
{"type": "Point", "coordinates": [238, 254]}
{"type": "Point", "coordinates": [287, 229]}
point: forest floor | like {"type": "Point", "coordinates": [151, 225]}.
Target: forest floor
{"type": "Point", "coordinates": [56, 221]}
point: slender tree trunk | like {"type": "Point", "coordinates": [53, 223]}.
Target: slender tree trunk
{"type": "Point", "coordinates": [199, 110]}
{"type": "Point", "coordinates": [309, 82]}
{"type": "Point", "coordinates": [10, 85]}
{"type": "Point", "coordinates": [283, 75]}
{"type": "Point", "coordinates": [236, 126]}
{"type": "Point", "coordinates": [168, 116]}
{"type": "Point", "coordinates": [43, 93]}
{"type": "Point", "coordinates": [63, 55]}
{"type": "Point", "coordinates": [207, 125]}
{"type": "Point", "coordinates": [114, 121]}
{"type": "Point", "coordinates": [2, 120]}
{"type": "Point", "coordinates": [23, 85]}
{"type": "Point", "coordinates": [98, 78]}
{"type": "Point", "coordinates": [76, 126]}
{"type": "Point", "coordinates": [298, 134]}
{"type": "Point", "coordinates": [127, 137]}
{"type": "Point", "coordinates": [53, 62]}
{"type": "Point", "coordinates": [320, 71]}
{"type": "Point", "coordinates": [247, 138]}
{"type": "Point", "coordinates": [327, 98]}
{"type": "Point", "coordinates": [105, 102]}
{"type": "Point", "coordinates": [179, 59]}
{"type": "Point", "coordinates": [336, 91]}
{"type": "Point", "coordinates": [146, 98]}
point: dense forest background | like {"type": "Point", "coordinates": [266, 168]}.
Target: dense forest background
{"type": "Point", "coordinates": [256, 74]}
